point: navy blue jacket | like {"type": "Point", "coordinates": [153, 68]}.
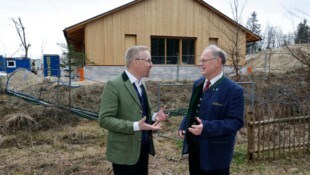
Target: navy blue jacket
{"type": "Point", "coordinates": [222, 115]}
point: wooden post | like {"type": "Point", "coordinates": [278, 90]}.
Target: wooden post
{"type": "Point", "coordinates": [251, 139]}
{"type": "Point", "coordinates": [308, 144]}
{"type": "Point", "coordinates": [304, 130]}
{"type": "Point", "coordinates": [289, 129]}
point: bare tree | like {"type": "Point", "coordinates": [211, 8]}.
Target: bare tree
{"type": "Point", "coordinates": [20, 29]}
{"type": "Point", "coordinates": [272, 38]}
{"type": "Point", "coordinates": [301, 53]}
{"type": "Point", "coordinates": [237, 7]}
{"type": "Point", "coordinates": [233, 34]}
{"type": "Point", "coordinates": [43, 44]}
{"type": "Point", "coordinates": [71, 58]}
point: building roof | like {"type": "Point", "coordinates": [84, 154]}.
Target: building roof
{"type": "Point", "coordinates": [76, 31]}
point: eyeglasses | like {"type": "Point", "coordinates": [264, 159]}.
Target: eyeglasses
{"type": "Point", "coordinates": [203, 61]}
{"type": "Point", "coordinates": [148, 59]}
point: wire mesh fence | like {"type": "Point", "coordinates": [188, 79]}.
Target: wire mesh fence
{"type": "Point", "coordinates": [56, 91]}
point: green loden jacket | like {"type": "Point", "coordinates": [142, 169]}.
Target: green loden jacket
{"type": "Point", "coordinates": [119, 108]}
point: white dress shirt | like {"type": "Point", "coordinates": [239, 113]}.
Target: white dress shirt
{"type": "Point", "coordinates": [214, 80]}
{"type": "Point", "coordinates": [138, 83]}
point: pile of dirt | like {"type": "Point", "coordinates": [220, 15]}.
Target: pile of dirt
{"type": "Point", "coordinates": [22, 79]}
{"type": "Point", "coordinates": [55, 91]}
{"type": "Point", "coordinates": [19, 115]}
{"type": "Point", "coordinates": [278, 60]}
{"type": "Point", "coordinates": [86, 94]}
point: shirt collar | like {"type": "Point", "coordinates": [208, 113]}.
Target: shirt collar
{"type": "Point", "coordinates": [133, 79]}
{"type": "Point", "coordinates": [214, 80]}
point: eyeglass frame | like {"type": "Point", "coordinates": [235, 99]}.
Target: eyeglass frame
{"type": "Point", "coordinates": [204, 61]}
{"type": "Point", "coordinates": [149, 60]}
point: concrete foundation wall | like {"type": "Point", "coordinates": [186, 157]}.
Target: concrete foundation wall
{"type": "Point", "coordinates": [158, 73]}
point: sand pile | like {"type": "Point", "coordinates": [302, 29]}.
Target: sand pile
{"type": "Point", "coordinates": [23, 79]}
{"type": "Point", "coordinates": [280, 60]}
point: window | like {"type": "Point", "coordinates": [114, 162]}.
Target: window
{"type": "Point", "coordinates": [158, 50]}
{"type": "Point", "coordinates": [173, 50]}
{"type": "Point", "coordinates": [11, 64]}
{"type": "Point", "coordinates": [213, 41]}
{"type": "Point", "coordinates": [188, 51]}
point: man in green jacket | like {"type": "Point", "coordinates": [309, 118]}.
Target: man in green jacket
{"type": "Point", "coordinates": [125, 113]}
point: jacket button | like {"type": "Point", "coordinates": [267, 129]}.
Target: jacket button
{"type": "Point", "coordinates": [140, 112]}
{"type": "Point", "coordinates": [139, 140]}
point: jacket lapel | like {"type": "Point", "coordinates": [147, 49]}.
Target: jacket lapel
{"type": "Point", "coordinates": [130, 88]}
{"type": "Point", "coordinates": [196, 90]}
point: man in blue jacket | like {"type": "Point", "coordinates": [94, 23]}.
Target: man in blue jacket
{"type": "Point", "coordinates": [214, 116]}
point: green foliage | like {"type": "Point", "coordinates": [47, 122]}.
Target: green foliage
{"type": "Point", "coordinates": [253, 25]}
{"type": "Point", "coordinates": [71, 57]}
{"type": "Point", "coordinates": [240, 155]}
{"type": "Point", "coordinates": [180, 143]}
{"type": "Point", "coordinates": [303, 33]}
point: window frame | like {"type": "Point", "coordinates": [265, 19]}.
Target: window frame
{"type": "Point", "coordinates": [11, 61]}
{"type": "Point", "coordinates": [180, 49]}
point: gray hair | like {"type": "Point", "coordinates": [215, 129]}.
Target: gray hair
{"type": "Point", "coordinates": [217, 52]}
{"type": "Point", "coordinates": [133, 53]}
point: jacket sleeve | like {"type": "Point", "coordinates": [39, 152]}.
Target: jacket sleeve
{"type": "Point", "coordinates": [232, 120]}
{"type": "Point", "coordinates": [108, 118]}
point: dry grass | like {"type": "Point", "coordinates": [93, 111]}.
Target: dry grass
{"type": "Point", "coordinates": [20, 120]}
{"type": "Point", "coordinates": [81, 150]}
{"type": "Point", "coordinates": [61, 143]}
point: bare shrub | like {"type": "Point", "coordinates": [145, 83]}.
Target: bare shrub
{"type": "Point", "coordinates": [20, 121]}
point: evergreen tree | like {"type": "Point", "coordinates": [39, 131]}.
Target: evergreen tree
{"type": "Point", "coordinates": [254, 26]}
{"type": "Point", "coordinates": [303, 33]}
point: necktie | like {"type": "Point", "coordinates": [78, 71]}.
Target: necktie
{"type": "Point", "coordinates": [142, 90]}
{"type": "Point", "coordinates": [207, 86]}
{"type": "Point", "coordinates": [143, 100]}
{"type": "Point", "coordinates": [136, 88]}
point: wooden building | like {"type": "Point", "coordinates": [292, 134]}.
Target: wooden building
{"type": "Point", "coordinates": [176, 31]}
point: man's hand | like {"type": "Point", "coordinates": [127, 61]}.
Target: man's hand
{"type": "Point", "coordinates": [145, 127]}
{"type": "Point", "coordinates": [181, 133]}
{"type": "Point", "coordinates": [196, 129]}
{"type": "Point", "coordinates": [161, 116]}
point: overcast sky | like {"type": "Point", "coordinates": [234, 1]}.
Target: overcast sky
{"type": "Point", "coordinates": [45, 20]}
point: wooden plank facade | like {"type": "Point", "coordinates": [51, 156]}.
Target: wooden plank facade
{"type": "Point", "coordinates": [106, 37]}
